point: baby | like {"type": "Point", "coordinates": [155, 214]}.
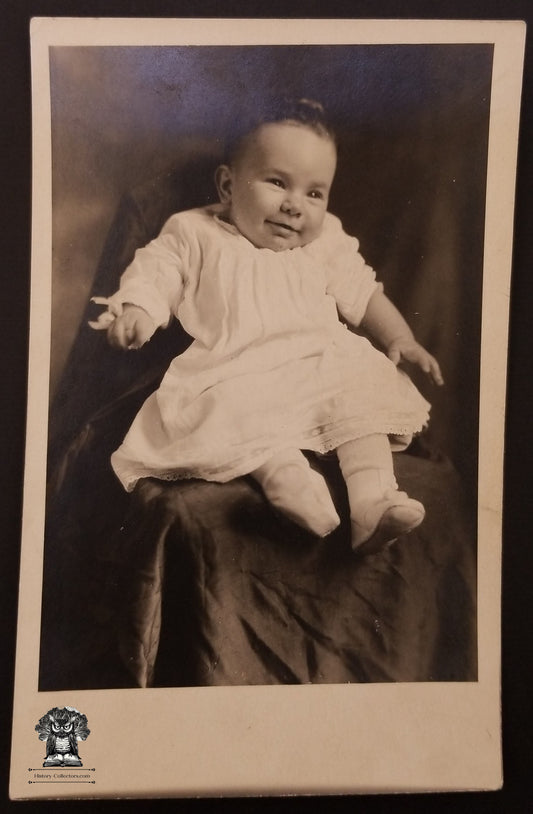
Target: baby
{"type": "Point", "coordinates": [259, 281]}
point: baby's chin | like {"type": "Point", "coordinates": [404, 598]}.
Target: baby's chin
{"type": "Point", "coordinates": [281, 243]}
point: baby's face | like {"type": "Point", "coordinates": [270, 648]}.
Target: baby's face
{"type": "Point", "coordinates": [278, 187]}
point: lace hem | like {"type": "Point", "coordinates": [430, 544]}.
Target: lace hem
{"type": "Point", "coordinates": [129, 472]}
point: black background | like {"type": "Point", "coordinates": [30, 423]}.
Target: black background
{"type": "Point", "coordinates": [15, 202]}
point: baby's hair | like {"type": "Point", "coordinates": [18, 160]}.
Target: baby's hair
{"type": "Point", "coordinates": [302, 112]}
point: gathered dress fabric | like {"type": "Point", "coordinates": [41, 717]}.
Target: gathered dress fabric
{"type": "Point", "coordinates": [272, 365]}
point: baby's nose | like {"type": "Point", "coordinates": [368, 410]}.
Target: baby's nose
{"type": "Point", "coordinates": [292, 204]}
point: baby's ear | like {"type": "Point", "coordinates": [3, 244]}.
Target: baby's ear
{"type": "Point", "coordinates": [223, 180]}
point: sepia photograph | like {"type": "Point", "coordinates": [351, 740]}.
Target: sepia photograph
{"type": "Point", "coordinates": [255, 526]}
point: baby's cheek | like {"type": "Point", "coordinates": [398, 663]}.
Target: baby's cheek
{"type": "Point", "coordinates": [310, 233]}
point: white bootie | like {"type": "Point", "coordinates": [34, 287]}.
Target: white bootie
{"type": "Point", "coordinates": [298, 492]}
{"type": "Point", "coordinates": [379, 513]}
{"type": "Point", "coordinates": [384, 520]}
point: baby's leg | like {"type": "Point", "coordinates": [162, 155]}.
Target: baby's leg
{"type": "Point", "coordinates": [298, 491]}
{"type": "Point", "coordinates": [379, 512]}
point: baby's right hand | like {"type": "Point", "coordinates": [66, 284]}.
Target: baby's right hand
{"type": "Point", "coordinates": [131, 329]}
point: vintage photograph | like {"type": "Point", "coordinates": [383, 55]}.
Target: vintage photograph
{"type": "Point", "coordinates": [295, 501]}
{"type": "Point", "coordinates": [265, 422]}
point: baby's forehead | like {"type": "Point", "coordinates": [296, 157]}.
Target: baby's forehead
{"type": "Point", "coordinates": [263, 138]}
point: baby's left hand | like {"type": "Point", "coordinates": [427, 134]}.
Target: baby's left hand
{"type": "Point", "coordinates": [409, 350]}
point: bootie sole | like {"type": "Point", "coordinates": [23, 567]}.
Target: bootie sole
{"type": "Point", "coordinates": [395, 521]}
{"type": "Point", "coordinates": [307, 503]}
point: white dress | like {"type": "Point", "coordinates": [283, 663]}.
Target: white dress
{"type": "Point", "coordinates": [271, 365]}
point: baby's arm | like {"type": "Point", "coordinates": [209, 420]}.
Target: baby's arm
{"type": "Point", "coordinates": [384, 322]}
{"type": "Point", "coordinates": [149, 293]}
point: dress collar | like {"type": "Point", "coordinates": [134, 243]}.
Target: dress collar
{"type": "Point", "coordinates": [220, 214]}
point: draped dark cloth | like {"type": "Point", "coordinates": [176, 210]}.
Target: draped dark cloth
{"type": "Point", "coordinates": [202, 584]}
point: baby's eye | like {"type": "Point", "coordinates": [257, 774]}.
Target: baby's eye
{"type": "Point", "coordinates": [317, 194]}
{"type": "Point", "coordinates": [276, 181]}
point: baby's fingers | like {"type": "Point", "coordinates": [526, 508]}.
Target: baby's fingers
{"type": "Point", "coordinates": [436, 374]}
{"type": "Point", "coordinates": [121, 333]}
{"type": "Point", "coordinates": [394, 355]}
{"type": "Point", "coordinates": [433, 369]}
{"type": "Point", "coordinates": [429, 365]}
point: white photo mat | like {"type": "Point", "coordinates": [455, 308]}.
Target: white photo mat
{"type": "Point", "coordinates": [318, 739]}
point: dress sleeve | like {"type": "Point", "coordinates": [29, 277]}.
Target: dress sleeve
{"type": "Point", "coordinates": [154, 280]}
{"type": "Point", "coordinates": [348, 278]}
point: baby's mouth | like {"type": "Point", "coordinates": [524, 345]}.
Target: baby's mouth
{"type": "Point", "coordinates": [284, 228]}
